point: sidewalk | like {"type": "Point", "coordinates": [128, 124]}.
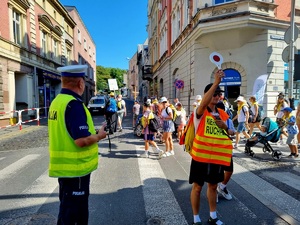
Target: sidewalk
{"type": "Point", "coordinates": [10, 132]}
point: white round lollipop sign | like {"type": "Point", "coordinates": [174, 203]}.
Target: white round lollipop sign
{"type": "Point", "coordinates": [217, 59]}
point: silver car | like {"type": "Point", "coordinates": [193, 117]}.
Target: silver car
{"type": "Point", "coordinates": [97, 104]}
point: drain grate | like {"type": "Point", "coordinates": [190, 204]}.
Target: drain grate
{"type": "Point", "coordinates": [155, 221]}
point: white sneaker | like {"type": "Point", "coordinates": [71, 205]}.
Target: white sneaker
{"type": "Point", "coordinates": [163, 155]}
{"type": "Point", "coordinates": [160, 153]}
{"type": "Point", "coordinates": [145, 155]}
{"type": "Point", "coordinates": [224, 192]}
{"type": "Point", "coordinates": [172, 152]}
{"type": "Point", "coordinates": [280, 142]}
{"type": "Point", "coordinates": [168, 154]}
{"type": "Point", "coordinates": [157, 150]}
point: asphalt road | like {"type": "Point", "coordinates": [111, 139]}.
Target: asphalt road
{"type": "Point", "coordinates": [130, 190]}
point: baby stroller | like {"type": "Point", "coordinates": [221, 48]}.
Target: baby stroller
{"type": "Point", "coordinates": [273, 134]}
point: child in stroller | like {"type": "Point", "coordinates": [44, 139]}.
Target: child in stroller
{"type": "Point", "coordinates": [258, 135]}
{"type": "Point", "coordinates": [270, 131]}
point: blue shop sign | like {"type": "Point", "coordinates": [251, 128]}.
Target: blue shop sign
{"type": "Point", "coordinates": [232, 78]}
{"type": "Point", "coordinates": [286, 72]}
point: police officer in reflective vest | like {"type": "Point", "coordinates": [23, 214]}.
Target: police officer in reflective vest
{"type": "Point", "coordinates": [73, 146]}
{"type": "Point", "coordinates": [211, 151]}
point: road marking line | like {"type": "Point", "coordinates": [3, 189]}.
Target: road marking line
{"type": "Point", "coordinates": [287, 178]}
{"type": "Point", "coordinates": [17, 166]}
{"type": "Point", "coordinates": [279, 202]}
{"type": "Point", "coordinates": [32, 198]}
{"type": "Point", "coordinates": [160, 201]}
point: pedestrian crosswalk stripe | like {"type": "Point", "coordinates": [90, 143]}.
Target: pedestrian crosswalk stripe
{"type": "Point", "coordinates": [17, 166]}
{"type": "Point", "coordinates": [279, 202]}
{"type": "Point", "coordinates": [32, 198]}
{"type": "Point", "coordinates": [287, 178]}
{"type": "Point", "coordinates": [158, 195]}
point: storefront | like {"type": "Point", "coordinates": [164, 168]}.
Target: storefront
{"type": "Point", "coordinates": [48, 84]}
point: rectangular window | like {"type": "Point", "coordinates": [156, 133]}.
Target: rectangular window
{"type": "Point", "coordinates": [44, 45]}
{"type": "Point", "coordinates": [17, 27]}
{"type": "Point", "coordinates": [222, 1]}
{"type": "Point", "coordinates": [79, 59]}
{"type": "Point", "coordinates": [79, 36]}
{"type": "Point", "coordinates": [55, 50]}
{"type": "Point", "coordinates": [68, 56]}
{"type": "Point", "coordinates": [85, 44]}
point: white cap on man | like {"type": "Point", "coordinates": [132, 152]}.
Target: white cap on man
{"type": "Point", "coordinates": [73, 70]}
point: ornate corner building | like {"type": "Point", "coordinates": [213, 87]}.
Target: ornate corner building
{"type": "Point", "coordinates": [36, 37]}
{"type": "Point", "coordinates": [249, 34]}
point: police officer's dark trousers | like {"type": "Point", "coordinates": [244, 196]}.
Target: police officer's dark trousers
{"type": "Point", "coordinates": [73, 196]}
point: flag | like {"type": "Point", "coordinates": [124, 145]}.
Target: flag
{"type": "Point", "coordinates": [259, 88]}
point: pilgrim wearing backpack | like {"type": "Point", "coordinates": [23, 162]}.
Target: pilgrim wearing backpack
{"type": "Point", "coordinates": [121, 105]}
{"type": "Point", "coordinates": [280, 105]}
{"type": "Point", "coordinates": [242, 117]}
{"type": "Point", "coordinates": [111, 113]}
{"type": "Point", "coordinates": [149, 133]}
{"type": "Point", "coordinates": [180, 120]}
{"type": "Point", "coordinates": [256, 115]}
{"type": "Point", "coordinates": [168, 126]}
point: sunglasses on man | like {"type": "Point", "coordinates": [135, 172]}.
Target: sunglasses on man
{"type": "Point", "coordinates": [217, 94]}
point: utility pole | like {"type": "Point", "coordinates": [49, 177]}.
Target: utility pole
{"type": "Point", "coordinates": [292, 54]}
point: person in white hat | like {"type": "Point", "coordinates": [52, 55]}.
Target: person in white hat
{"type": "Point", "coordinates": [242, 117]}
{"type": "Point", "coordinates": [73, 146]}
{"type": "Point", "coordinates": [197, 102]}
{"type": "Point", "coordinates": [168, 127]}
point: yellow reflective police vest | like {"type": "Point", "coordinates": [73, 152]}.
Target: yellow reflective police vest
{"type": "Point", "coordinates": [210, 144]}
{"type": "Point", "coordinates": [66, 158]}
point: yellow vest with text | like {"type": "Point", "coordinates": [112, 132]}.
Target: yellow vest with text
{"type": "Point", "coordinates": [210, 144]}
{"type": "Point", "coordinates": [66, 158]}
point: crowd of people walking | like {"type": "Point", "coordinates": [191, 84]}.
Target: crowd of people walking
{"type": "Point", "coordinates": [213, 112]}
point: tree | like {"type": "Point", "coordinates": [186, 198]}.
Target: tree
{"type": "Point", "coordinates": [105, 73]}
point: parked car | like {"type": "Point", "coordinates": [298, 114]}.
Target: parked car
{"type": "Point", "coordinates": [97, 104]}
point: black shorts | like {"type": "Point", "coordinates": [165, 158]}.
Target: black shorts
{"type": "Point", "coordinates": [256, 121]}
{"type": "Point", "coordinates": [229, 168]}
{"type": "Point", "coordinates": [206, 172]}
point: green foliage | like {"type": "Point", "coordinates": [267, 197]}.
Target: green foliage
{"type": "Point", "coordinates": [105, 73]}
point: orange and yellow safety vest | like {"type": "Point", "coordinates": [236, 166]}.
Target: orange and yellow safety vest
{"type": "Point", "coordinates": [211, 144]}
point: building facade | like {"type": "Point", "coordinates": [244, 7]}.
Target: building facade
{"type": "Point", "coordinates": [133, 78]}
{"type": "Point", "coordinates": [248, 34]}
{"type": "Point", "coordinates": [84, 52]}
{"type": "Point", "coordinates": [36, 37]}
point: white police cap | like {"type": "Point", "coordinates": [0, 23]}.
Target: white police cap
{"type": "Point", "coordinates": [73, 70]}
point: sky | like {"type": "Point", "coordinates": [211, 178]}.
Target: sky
{"type": "Point", "coordinates": [116, 27]}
